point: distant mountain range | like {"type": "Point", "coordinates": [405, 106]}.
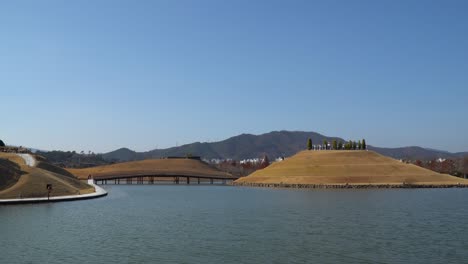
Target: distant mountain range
{"type": "Point", "coordinates": [417, 153]}
{"type": "Point", "coordinates": [274, 144]}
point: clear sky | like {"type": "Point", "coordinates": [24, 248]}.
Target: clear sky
{"type": "Point", "coordinates": [99, 75]}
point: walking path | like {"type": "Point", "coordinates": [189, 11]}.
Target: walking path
{"type": "Point", "coordinates": [29, 159]}
{"type": "Point", "coordinates": [99, 192]}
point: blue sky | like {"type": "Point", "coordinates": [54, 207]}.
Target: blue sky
{"type": "Point", "coordinates": [99, 75]}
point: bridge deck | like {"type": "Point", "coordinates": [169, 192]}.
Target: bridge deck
{"type": "Point", "coordinates": [164, 175]}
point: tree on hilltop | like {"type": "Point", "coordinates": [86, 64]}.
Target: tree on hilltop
{"type": "Point", "coordinates": [364, 146]}
{"type": "Point", "coordinates": [359, 145]}
{"type": "Point", "coordinates": [325, 143]}
{"type": "Point", "coordinates": [340, 145]}
{"type": "Point", "coordinates": [335, 145]}
{"type": "Point", "coordinates": [309, 144]}
{"type": "Point", "coordinates": [1, 143]}
{"type": "Point", "coordinates": [265, 162]}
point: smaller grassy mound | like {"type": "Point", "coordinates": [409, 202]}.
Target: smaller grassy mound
{"type": "Point", "coordinates": [346, 168]}
{"type": "Point", "coordinates": [179, 167]}
{"type": "Point", "coordinates": [10, 173]}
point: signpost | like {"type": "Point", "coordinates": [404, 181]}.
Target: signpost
{"type": "Point", "coordinates": [49, 190]}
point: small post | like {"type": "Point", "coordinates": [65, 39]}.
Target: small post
{"type": "Point", "coordinates": [49, 190]}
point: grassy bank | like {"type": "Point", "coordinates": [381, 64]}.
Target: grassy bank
{"type": "Point", "coordinates": [21, 181]}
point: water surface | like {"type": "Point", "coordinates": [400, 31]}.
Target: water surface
{"type": "Point", "coordinates": [224, 224]}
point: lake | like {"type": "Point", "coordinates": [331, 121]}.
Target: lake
{"type": "Point", "coordinates": [225, 224]}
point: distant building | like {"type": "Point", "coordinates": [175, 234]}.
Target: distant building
{"type": "Point", "coordinates": [279, 159]}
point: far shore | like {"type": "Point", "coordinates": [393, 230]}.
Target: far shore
{"type": "Point", "coordinates": [350, 186]}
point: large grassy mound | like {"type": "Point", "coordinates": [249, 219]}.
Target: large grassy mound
{"type": "Point", "coordinates": [346, 167]}
{"type": "Point", "coordinates": [180, 167]}
{"type": "Point", "coordinates": [28, 182]}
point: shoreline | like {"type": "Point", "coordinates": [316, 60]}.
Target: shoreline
{"type": "Point", "coordinates": [99, 192]}
{"type": "Point", "coordinates": [350, 186]}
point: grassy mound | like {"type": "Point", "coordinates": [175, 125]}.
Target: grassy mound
{"type": "Point", "coordinates": [181, 167]}
{"type": "Point", "coordinates": [29, 182]}
{"type": "Point", "coordinates": [346, 167]}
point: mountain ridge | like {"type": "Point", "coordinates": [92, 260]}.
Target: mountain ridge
{"type": "Point", "coordinates": [273, 144]}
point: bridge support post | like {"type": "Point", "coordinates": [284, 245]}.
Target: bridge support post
{"type": "Point", "coordinates": [177, 180]}
{"type": "Point", "coordinates": [198, 180]}
{"type": "Point", "coordinates": [211, 181]}
{"type": "Point", "coordinates": [188, 180]}
{"type": "Point", "coordinates": [224, 181]}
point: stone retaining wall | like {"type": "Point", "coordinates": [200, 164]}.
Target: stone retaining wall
{"type": "Point", "coordinates": [350, 186]}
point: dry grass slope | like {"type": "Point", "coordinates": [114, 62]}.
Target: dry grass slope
{"type": "Point", "coordinates": [32, 182]}
{"type": "Point", "coordinates": [151, 166]}
{"type": "Point", "coordinates": [346, 167]}
{"type": "Point", "coordinates": [10, 173]}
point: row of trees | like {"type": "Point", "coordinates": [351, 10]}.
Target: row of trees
{"type": "Point", "coordinates": [336, 145]}
{"type": "Point", "coordinates": [456, 167]}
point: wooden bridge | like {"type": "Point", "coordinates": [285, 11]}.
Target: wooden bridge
{"type": "Point", "coordinates": [164, 177]}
